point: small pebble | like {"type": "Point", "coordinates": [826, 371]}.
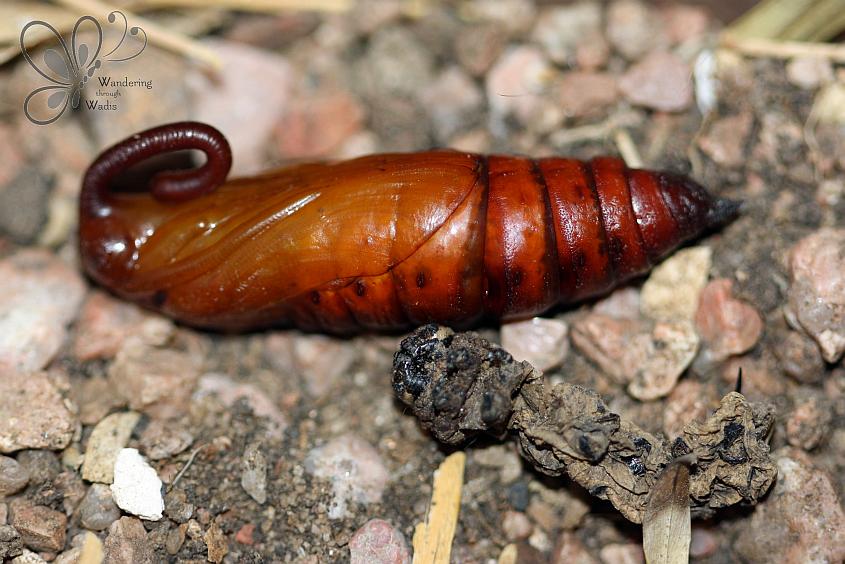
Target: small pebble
{"type": "Point", "coordinates": [622, 303]}
{"type": "Point", "coordinates": [29, 557]}
{"type": "Point", "coordinates": [593, 53]}
{"type": "Point", "coordinates": [98, 511]}
{"type": "Point", "coordinates": [230, 392]}
{"type": "Point", "coordinates": [542, 342]}
{"type": "Point", "coordinates": [514, 84]}
{"type": "Point", "coordinates": [175, 539]}
{"type": "Point", "coordinates": [127, 543]}
{"type": "Point", "coordinates": [163, 439]}
{"type": "Point", "coordinates": [215, 542]}
{"type": "Point", "coordinates": [809, 422]}
{"type": "Point", "coordinates": [584, 93]}
{"type": "Point", "coordinates": [91, 551]}
{"type": "Point", "coordinates": [726, 325]}
{"type": "Point", "coordinates": [817, 290]}
{"type": "Point", "coordinates": [516, 526]}
{"type": "Point", "coordinates": [800, 357]}
{"type": "Point", "coordinates": [106, 322]}
{"type": "Point", "coordinates": [725, 139]}
{"type": "Point", "coordinates": [622, 553]}
{"type": "Point", "coordinates": [500, 456]}
{"type": "Point", "coordinates": [661, 81]}
{"type": "Point", "coordinates": [684, 23]}
{"type": "Point", "coordinates": [516, 16]}
{"type": "Point", "coordinates": [648, 357]}
{"type": "Point", "coordinates": [95, 399]}
{"type": "Point", "coordinates": [41, 465]}
{"type": "Point", "coordinates": [355, 469]}
{"type": "Point", "coordinates": [690, 400]}
{"type": "Point", "coordinates": [673, 288]}
{"type": "Point", "coordinates": [254, 473]}
{"type": "Point", "coordinates": [153, 380]}
{"type": "Point", "coordinates": [630, 28]}
{"type": "Point", "coordinates": [377, 541]}
{"type": "Point", "coordinates": [396, 63]}
{"type": "Point", "coordinates": [40, 528]}
{"type": "Point", "coordinates": [478, 47]}
{"type": "Point", "coordinates": [317, 124]}
{"type": "Point", "coordinates": [137, 488]}
{"type": "Point", "coordinates": [177, 506]}
{"type": "Point", "coordinates": [453, 103]}
{"type": "Point", "coordinates": [10, 542]}
{"type": "Point", "coordinates": [39, 296]}
{"type": "Point", "coordinates": [704, 541]}
{"type": "Point", "coordinates": [801, 520]}
{"type": "Point", "coordinates": [245, 534]}
{"type": "Point", "coordinates": [809, 72]}
{"type": "Point", "coordinates": [245, 100]}
{"type": "Point", "coordinates": [34, 413]}
{"type": "Point", "coordinates": [562, 29]}
{"type": "Point", "coordinates": [570, 550]}
{"type": "Point", "coordinates": [13, 476]}
{"type": "Point", "coordinates": [105, 443]}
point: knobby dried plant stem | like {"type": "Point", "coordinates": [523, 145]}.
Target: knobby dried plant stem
{"type": "Point", "coordinates": [460, 385]}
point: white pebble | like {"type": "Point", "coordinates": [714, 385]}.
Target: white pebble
{"type": "Point", "coordinates": [137, 487]}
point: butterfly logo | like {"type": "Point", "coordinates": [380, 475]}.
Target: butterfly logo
{"type": "Point", "coordinates": [69, 69]}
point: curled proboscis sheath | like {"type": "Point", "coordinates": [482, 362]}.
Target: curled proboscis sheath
{"type": "Point", "coordinates": [378, 242]}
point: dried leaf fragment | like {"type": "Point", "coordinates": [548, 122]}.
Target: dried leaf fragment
{"type": "Point", "coordinates": [666, 522]}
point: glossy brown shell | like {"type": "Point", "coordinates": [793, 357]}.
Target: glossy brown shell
{"type": "Point", "coordinates": [379, 242]}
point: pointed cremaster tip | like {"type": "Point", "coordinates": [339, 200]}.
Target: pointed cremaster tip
{"type": "Point", "coordinates": [723, 211]}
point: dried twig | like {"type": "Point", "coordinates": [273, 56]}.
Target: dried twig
{"type": "Point", "coordinates": [433, 539]}
{"type": "Point", "coordinates": [459, 385]}
{"type": "Point", "coordinates": [156, 34]}
{"type": "Point", "coordinates": [268, 6]}
{"type": "Point", "coordinates": [760, 47]}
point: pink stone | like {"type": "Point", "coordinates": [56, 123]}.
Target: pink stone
{"type": "Point", "coordinates": [817, 293]}
{"type": "Point", "coordinates": [631, 29]}
{"type": "Point", "coordinates": [661, 81]}
{"type": "Point", "coordinates": [585, 93]}
{"type": "Point", "coordinates": [34, 415]}
{"type": "Point", "coordinates": [726, 325]}
{"type": "Point", "coordinates": [378, 542]}
{"type": "Point", "coordinates": [801, 519]}
{"type": "Point", "coordinates": [724, 141]}
{"type": "Point", "coordinates": [684, 23]}
{"type": "Point", "coordinates": [355, 469]}
{"type": "Point", "coordinates": [105, 322]}
{"type": "Point", "coordinates": [542, 342]}
{"type": "Point", "coordinates": [157, 381]}
{"type": "Point", "coordinates": [317, 124]}
{"type": "Point", "coordinates": [245, 100]}
{"type": "Point", "coordinates": [39, 296]}
{"type": "Point", "coordinates": [514, 83]}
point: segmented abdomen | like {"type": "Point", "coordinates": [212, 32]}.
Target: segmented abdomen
{"type": "Point", "coordinates": [379, 242]}
{"type": "Point", "coordinates": [531, 234]}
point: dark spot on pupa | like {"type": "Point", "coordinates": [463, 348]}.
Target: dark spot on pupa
{"type": "Point", "coordinates": [315, 297]}
{"type": "Point", "coordinates": [360, 288]}
{"type": "Point", "coordinates": [516, 277]}
{"type": "Point", "coordinates": [602, 248]}
{"type": "Point", "coordinates": [617, 249]}
{"type": "Point", "coordinates": [580, 259]}
{"type": "Point", "coordinates": [159, 298]}
{"type": "Point", "coordinates": [420, 279]}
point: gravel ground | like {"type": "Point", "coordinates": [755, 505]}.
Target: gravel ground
{"type": "Point", "coordinates": [283, 446]}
